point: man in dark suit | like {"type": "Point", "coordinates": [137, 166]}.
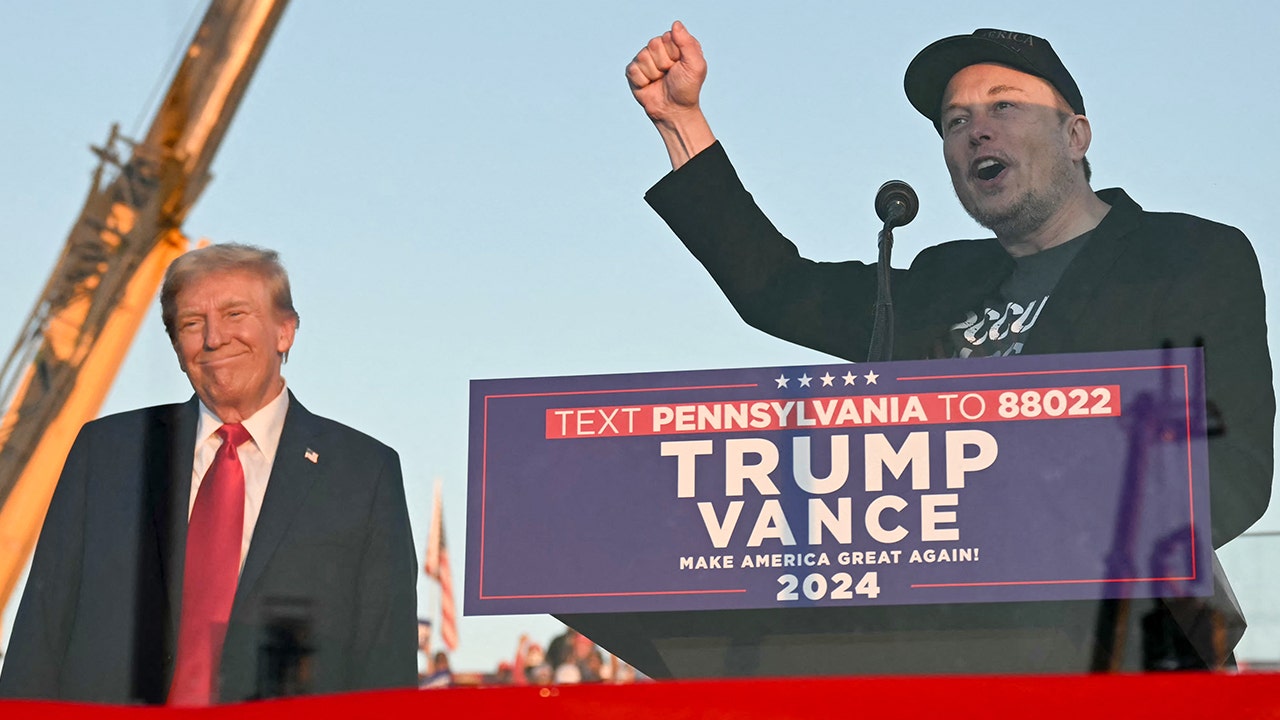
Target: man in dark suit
{"type": "Point", "coordinates": [228, 548]}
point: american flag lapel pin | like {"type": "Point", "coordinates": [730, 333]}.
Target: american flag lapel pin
{"type": "Point", "coordinates": [312, 455]}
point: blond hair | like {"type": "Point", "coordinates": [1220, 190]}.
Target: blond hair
{"type": "Point", "coordinates": [229, 257]}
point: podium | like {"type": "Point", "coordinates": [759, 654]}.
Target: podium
{"type": "Point", "coordinates": [1049, 637]}
{"type": "Point", "coordinates": [998, 638]}
{"type": "Point", "coordinates": [912, 518]}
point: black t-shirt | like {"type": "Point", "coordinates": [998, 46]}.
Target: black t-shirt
{"type": "Point", "coordinates": [1002, 325]}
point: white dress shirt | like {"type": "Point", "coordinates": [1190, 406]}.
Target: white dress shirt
{"type": "Point", "coordinates": [256, 457]}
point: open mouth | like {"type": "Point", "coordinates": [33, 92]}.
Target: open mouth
{"type": "Point", "coordinates": [988, 169]}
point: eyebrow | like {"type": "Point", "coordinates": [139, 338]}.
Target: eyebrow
{"type": "Point", "coordinates": [1000, 89]}
{"type": "Point", "coordinates": [993, 91]}
{"type": "Point", "coordinates": [223, 307]}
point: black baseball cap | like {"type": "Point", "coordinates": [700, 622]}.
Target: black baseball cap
{"type": "Point", "coordinates": [931, 70]}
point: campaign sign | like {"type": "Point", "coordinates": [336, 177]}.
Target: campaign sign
{"type": "Point", "coordinates": [1049, 477]}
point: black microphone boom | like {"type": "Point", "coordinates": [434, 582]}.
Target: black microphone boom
{"type": "Point", "coordinates": [896, 203]}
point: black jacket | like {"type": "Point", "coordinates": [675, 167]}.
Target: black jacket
{"type": "Point", "coordinates": [1142, 281]}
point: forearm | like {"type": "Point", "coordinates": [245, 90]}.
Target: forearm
{"type": "Point", "coordinates": [685, 135]}
{"type": "Point", "coordinates": [824, 306]}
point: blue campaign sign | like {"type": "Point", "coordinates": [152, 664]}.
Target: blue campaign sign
{"type": "Point", "coordinates": [1051, 477]}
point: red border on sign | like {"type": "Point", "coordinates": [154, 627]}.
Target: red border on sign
{"type": "Point", "coordinates": [1077, 581]}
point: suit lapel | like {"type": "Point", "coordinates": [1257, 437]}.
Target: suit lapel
{"type": "Point", "coordinates": [170, 452]}
{"type": "Point", "coordinates": [291, 478]}
{"type": "Point", "coordinates": [1069, 301]}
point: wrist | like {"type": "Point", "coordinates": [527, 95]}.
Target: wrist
{"type": "Point", "coordinates": [685, 134]}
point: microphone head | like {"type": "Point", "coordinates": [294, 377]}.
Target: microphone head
{"type": "Point", "coordinates": [896, 203]}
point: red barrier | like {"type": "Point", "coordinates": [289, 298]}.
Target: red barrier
{"type": "Point", "coordinates": [1164, 696]}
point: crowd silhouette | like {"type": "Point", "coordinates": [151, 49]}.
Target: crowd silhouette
{"type": "Point", "coordinates": [569, 658]}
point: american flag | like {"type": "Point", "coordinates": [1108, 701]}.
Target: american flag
{"type": "Point", "coordinates": [437, 568]}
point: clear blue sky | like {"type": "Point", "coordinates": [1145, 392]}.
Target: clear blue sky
{"type": "Point", "coordinates": [456, 187]}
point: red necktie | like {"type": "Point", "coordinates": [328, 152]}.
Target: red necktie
{"type": "Point", "coordinates": [214, 534]}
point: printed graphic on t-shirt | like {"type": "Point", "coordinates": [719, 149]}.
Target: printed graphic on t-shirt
{"type": "Point", "coordinates": [999, 330]}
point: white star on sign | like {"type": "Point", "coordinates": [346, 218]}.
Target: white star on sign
{"type": "Point", "coordinates": [871, 377]}
{"type": "Point", "coordinates": [805, 380]}
{"type": "Point", "coordinates": [826, 380]}
{"type": "Point", "coordinates": [848, 378]}
{"type": "Point", "coordinates": [782, 381]}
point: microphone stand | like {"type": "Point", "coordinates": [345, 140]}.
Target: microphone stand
{"type": "Point", "coordinates": [882, 331]}
{"type": "Point", "coordinates": [896, 205]}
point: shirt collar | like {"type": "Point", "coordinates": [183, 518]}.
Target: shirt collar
{"type": "Point", "coordinates": [264, 426]}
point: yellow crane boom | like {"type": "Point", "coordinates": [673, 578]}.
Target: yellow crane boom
{"type": "Point", "coordinates": [68, 352]}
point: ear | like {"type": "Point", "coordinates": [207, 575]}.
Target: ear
{"type": "Point", "coordinates": [286, 328]}
{"type": "Point", "coordinates": [1079, 135]}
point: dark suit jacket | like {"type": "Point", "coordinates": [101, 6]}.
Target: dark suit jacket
{"type": "Point", "coordinates": [331, 566]}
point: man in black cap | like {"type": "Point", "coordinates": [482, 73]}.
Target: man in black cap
{"type": "Point", "coordinates": [1069, 269]}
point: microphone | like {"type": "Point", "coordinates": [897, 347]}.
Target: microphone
{"type": "Point", "coordinates": [896, 203]}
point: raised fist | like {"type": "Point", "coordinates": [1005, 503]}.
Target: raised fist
{"type": "Point", "coordinates": [666, 76]}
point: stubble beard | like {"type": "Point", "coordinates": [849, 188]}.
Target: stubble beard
{"type": "Point", "coordinates": [1029, 212]}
